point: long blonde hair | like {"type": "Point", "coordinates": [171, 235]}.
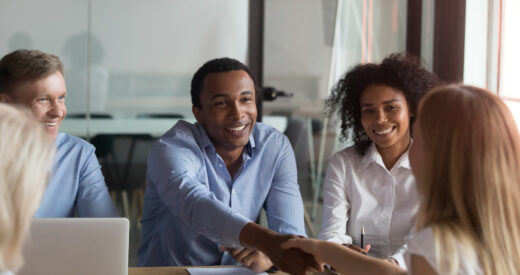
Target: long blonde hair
{"type": "Point", "coordinates": [26, 159]}
{"type": "Point", "coordinates": [471, 179]}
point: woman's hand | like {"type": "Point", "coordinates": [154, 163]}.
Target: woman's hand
{"type": "Point", "coordinates": [310, 246]}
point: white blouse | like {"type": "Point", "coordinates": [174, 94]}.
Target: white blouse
{"type": "Point", "coordinates": [359, 190]}
{"type": "Point", "coordinates": [422, 244]}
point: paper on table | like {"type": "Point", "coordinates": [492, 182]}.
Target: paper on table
{"type": "Point", "coordinates": [222, 271]}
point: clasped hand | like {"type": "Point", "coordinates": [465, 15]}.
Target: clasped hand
{"type": "Point", "coordinates": [250, 258]}
{"type": "Point", "coordinates": [292, 260]}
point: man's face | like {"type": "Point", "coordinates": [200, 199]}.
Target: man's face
{"type": "Point", "coordinates": [45, 97]}
{"type": "Point", "coordinates": [228, 109]}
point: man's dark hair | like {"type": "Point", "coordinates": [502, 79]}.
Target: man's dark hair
{"type": "Point", "coordinates": [217, 65]}
{"type": "Point", "coordinates": [21, 66]}
{"type": "Point", "coordinates": [402, 72]}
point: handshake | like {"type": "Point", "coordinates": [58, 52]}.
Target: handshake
{"type": "Point", "coordinates": [264, 248]}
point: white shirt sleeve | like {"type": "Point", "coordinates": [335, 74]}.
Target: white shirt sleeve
{"type": "Point", "coordinates": [399, 254]}
{"type": "Point", "coordinates": [421, 244]}
{"type": "Point", "coordinates": [336, 203]}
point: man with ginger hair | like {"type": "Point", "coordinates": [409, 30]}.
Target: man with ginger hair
{"type": "Point", "coordinates": [35, 79]}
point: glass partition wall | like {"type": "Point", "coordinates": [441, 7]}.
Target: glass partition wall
{"type": "Point", "coordinates": [308, 46]}
{"type": "Point", "coordinates": [127, 58]}
{"type": "Point", "coordinates": [128, 67]}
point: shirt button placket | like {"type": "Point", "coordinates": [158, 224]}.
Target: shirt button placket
{"type": "Point", "coordinates": [389, 205]}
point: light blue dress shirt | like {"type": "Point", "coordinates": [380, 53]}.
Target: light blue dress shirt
{"type": "Point", "coordinates": [76, 183]}
{"type": "Point", "coordinates": [192, 205]}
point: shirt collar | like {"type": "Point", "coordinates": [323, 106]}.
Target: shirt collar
{"type": "Point", "coordinates": [205, 141]}
{"type": "Point", "coordinates": [373, 156]}
{"type": "Point", "coordinates": [59, 139]}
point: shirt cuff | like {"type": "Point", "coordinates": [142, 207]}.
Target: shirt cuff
{"type": "Point", "coordinates": [400, 260]}
{"type": "Point", "coordinates": [341, 239]}
{"type": "Point", "coordinates": [234, 227]}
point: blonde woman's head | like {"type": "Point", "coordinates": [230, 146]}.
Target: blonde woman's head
{"type": "Point", "coordinates": [27, 154]}
{"type": "Point", "coordinates": [466, 158]}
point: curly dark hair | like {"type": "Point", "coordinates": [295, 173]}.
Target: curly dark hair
{"type": "Point", "coordinates": [399, 71]}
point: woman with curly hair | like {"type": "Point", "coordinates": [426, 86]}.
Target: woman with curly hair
{"type": "Point", "coordinates": [466, 159]}
{"type": "Point", "coordinates": [370, 185]}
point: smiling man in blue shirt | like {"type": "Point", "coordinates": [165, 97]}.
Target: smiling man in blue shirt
{"type": "Point", "coordinates": [208, 181]}
{"type": "Point", "coordinates": [35, 79]}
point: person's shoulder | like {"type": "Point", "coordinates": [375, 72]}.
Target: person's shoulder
{"type": "Point", "coordinates": [346, 156]}
{"type": "Point", "coordinates": [183, 134]}
{"type": "Point", "coordinates": [182, 129]}
{"type": "Point", "coordinates": [422, 242]}
{"type": "Point", "coordinates": [64, 140]}
{"type": "Point", "coordinates": [71, 150]}
{"type": "Point", "coordinates": [424, 235]}
{"type": "Point", "coordinates": [263, 133]}
{"type": "Point", "coordinates": [265, 129]}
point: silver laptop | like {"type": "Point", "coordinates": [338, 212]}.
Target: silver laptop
{"type": "Point", "coordinates": [77, 246]}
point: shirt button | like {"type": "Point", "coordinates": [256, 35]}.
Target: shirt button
{"type": "Point", "coordinates": [219, 164]}
{"type": "Point", "coordinates": [233, 192]}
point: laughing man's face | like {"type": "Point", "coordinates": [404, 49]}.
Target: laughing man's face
{"type": "Point", "coordinates": [228, 109]}
{"type": "Point", "coordinates": [46, 99]}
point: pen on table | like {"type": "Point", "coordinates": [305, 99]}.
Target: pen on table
{"type": "Point", "coordinates": [363, 238]}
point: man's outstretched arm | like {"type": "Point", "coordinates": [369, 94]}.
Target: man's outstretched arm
{"type": "Point", "coordinates": [293, 261]}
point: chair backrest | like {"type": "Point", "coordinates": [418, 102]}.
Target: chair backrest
{"type": "Point", "coordinates": [92, 115]}
{"type": "Point", "coordinates": [160, 115]}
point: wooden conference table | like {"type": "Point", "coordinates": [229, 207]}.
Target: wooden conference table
{"type": "Point", "coordinates": [181, 270]}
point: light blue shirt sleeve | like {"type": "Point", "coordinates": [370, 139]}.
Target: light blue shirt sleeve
{"type": "Point", "coordinates": [284, 205]}
{"type": "Point", "coordinates": [173, 168]}
{"type": "Point", "coordinates": [93, 199]}
{"type": "Point", "coordinates": [76, 183]}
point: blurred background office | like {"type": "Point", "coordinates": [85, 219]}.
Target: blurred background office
{"type": "Point", "coordinates": [129, 63]}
